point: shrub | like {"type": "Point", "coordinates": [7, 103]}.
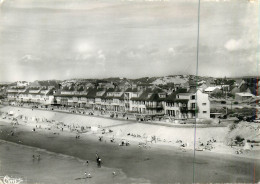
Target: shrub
{"type": "Point", "coordinates": [235, 103]}
{"type": "Point", "coordinates": [232, 126]}
{"type": "Point", "coordinates": [239, 139]}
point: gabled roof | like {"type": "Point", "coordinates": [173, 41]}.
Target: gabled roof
{"type": "Point", "coordinates": [91, 93]}
{"type": "Point", "coordinates": [50, 92]}
{"type": "Point", "coordinates": [81, 88]}
{"type": "Point", "coordinates": [171, 97]}
{"type": "Point", "coordinates": [155, 98]}
{"type": "Point", "coordinates": [158, 90]}
{"type": "Point", "coordinates": [145, 96]}
{"type": "Point", "coordinates": [192, 90]}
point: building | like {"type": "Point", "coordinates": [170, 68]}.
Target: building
{"type": "Point", "coordinates": [243, 96]}
{"type": "Point", "coordinates": [209, 90]}
{"type": "Point", "coordinates": [155, 101]}
{"type": "Point", "coordinates": [188, 105]}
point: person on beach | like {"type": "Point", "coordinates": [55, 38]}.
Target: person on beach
{"type": "Point", "coordinates": [87, 162]}
{"type": "Point", "coordinates": [114, 173]}
{"type": "Point", "coordinates": [97, 157]}
{"type": "Point", "coordinates": [99, 162]}
{"type": "Point", "coordinates": [100, 138]}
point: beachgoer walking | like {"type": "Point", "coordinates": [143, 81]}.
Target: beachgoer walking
{"type": "Point", "coordinates": [99, 162]}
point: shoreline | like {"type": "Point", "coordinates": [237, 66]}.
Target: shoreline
{"type": "Point", "coordinates": [33, 171]}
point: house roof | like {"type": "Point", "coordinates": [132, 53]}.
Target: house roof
{"type": "Point", "coordinates": [181, 100]}
{"type": "Point", "coordinates": [149, 95]}
{"type": "Point", "coordinates": [210, 89]}
{"type": "Point", "coordinates": [131, 90]}
{"type": "Point", "coordinates": [245, 94]}
{"type": "Point", "coordinates": [171, 97]}
{"type": "Point", "coordinates": [91, 93]}
{"type": "Point", "coordinates": [185, 94]}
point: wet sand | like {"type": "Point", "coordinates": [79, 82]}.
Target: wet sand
{"type": "Point", "coordinates": [159, 164]}
{"type": "Point", "coordinates": [16, 161]}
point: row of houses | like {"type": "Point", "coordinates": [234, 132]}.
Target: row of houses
{"type": "Point", "coordinates": [40, 95]}
{"type": "Point", "coordinates": [151, 101]}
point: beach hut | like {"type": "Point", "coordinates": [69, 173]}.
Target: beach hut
{"type": "Point", "coordinates": [247, 146]}
{"type": "Point", "coordinates": [11, 113]}
{"type": "Point", "coordinates": [94, 128]}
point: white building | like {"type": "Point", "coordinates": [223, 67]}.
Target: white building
{"type": "Point", "coordinates": [189, 105]}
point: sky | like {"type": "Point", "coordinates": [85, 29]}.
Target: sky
{"type": "Point", "coordinates": [61, 39]}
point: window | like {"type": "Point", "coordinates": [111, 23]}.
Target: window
{"type": "Point", "coordinates": [204, 104]}
{"type": "Point", "coordinates": [204, 112]}
{"type": "Point", "coordinates": [193, 97]}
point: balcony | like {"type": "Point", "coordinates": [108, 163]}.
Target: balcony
{"type": "Point", "coordinates": [154, 106]}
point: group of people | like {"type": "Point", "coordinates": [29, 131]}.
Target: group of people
{"type": "Point", "coordinates": [38, 157]}
{"type": "Point", "coordinates": [123, 142]}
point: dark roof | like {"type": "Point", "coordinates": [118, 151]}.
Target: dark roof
{"type": "Point", "coordinates": [50, 92]}
{"type": "Point", "coordinates": [181, 90]}
{"type": "Point", "coordinates": [131, 90]}
{"type": "Point", "coordinates": [65, 88]}
{"type": "Point", "coordinates": [81, 88]}
{"type": "Point", "coordinates": [14, 92]}
{"type": "Point", "coordinates": [158, 90]}
{"type": "Point", "coordinates": [181, 100]}
{"type": "Point", "coordinates": [192, 90]}
{"type": "Point", "coordinates": [171, 97]}
{"type": "Point", "coordinates": [91, 93]}
{"type": "Point", "coordinates": [34, 88]}
{"type": "Point", "coordinates": [110, 90]}
{"type": "Point", "coordinates": [145, 96]}
{"type": "Point", "coordinates": [144, 84]}
{"type": "Point", "coordinates": [155, 98]}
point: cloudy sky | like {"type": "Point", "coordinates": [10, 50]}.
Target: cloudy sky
{"type": "Point", "coordinates": [60, 39]}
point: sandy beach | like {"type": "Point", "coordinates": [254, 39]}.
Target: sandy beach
{"type": "Point", "coordinates": [153, 163]}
